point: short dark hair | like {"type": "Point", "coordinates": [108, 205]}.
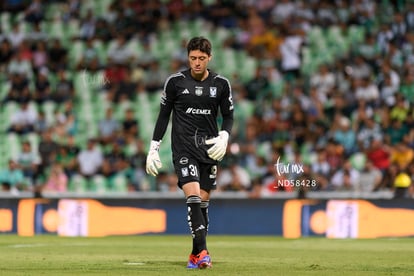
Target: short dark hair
{"type": "Point", "coordinates": [199, 43]}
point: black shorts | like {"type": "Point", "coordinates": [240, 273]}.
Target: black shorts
{"type": "Point", "coordinates": [188, 169]}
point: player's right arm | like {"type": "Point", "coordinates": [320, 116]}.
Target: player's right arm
{"type": "Point", "coordinates": [166, 105]}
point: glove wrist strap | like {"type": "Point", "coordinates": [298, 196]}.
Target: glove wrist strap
{"type": "Point", "coordinates": [155, 145]}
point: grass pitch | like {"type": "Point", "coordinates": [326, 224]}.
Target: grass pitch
{"type": "Point", "coordinates": [231, 255]}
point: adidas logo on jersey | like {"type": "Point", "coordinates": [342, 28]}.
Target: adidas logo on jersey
{"type": "Point", "coordinates": [186, 91]}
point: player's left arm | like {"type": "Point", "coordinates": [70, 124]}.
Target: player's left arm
{"type": "Point", "coordinates": [227, 108]}
{"type": "Point", "coordinates": [218, 150]}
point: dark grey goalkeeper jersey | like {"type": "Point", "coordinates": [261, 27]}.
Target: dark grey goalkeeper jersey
{"type": "Point", "coordinates": [195, 106]}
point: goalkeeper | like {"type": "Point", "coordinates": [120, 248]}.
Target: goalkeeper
{"type": "Point", "coordinates": [195, 96]}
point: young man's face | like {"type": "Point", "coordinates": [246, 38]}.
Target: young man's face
{"type": "Point", "coordinates": [198, 63]}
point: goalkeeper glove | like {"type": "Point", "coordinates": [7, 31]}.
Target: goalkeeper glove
{"type": "Point", "coordinates": [153, 158]}
{"type": "Point", "coordinates": [218, 150]}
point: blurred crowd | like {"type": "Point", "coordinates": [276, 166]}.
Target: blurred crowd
{"type": "Point", "coordinates": [339, 111]}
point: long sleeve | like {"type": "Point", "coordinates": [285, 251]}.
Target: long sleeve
{"type": "Point", "coordinates": [166, 106]}
{"type": "Point", "coordinates": [162, 122]}
{"type": "Point", "coordinates": [227, 108]}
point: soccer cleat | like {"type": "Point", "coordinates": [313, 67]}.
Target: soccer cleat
{"type": "Point", "coordinates": [192, 261]}
{"type": "Point", "coordinates": [203, 260]}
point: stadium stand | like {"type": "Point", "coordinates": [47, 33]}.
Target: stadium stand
{"type": "Point", "coordinates": [308, 77]}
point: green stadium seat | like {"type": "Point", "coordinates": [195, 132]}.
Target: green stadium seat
{"type": "Point", "coordinates": [182, 30]}
{"type": "Point", "coordinates": [407, 90]}
{"type": "Point", "coordinates": [244, 110]}
{"type": "Point", "coordinates": [75, 52]}
{"type": "Point", "coordinates": [99, 184]}
{"type": "Point", "coordinates": [315, 35]}
{"type": "Point", "coordinates": [4, 150]}
{"type": "Point", "coordinates": [25, 27]}
{"type": "Point", "coordinates": [48, 108]}
{"type": "Point", "coordinates": [102, 49]}
{"type": "Point", "coordinates": [121, 108]}
{"type": "Point", "coordinates": [34, 140]}
{"type": "Point", "coordinates": [102, 6]}
{"type": "Point", "coordinates": [219, 35]}
{"type": "Point", "coordinates": [162, 51]}
{"type": "Point", "coordinates": [13, 142]}
{"type": "Point", "coordinates": [249, 68]}
{"type": "Point", "coordinates": [356, 34]}
{"type": "Point", "coordinates": [165, 151]}
{"type": "Point", "coordinates": [88, 5]}
{"type": "Point", "coordinates": [148, 107]}
{"type": "Point", "coordinates": [9, 109]}
{"type": "Point", "coordinates": [336, 41]}
{"type": "Point", "coordinates": [4, 87]}
{"type": "Point", "coordinates": [19, 17]}
{"type": "Point", "coordinates": [277, 89]}
{"type": "Point", "coordinates": [5, 21]}
{"type": "Point", "coordinates": [72, 29]}
{"type": "Point", "coordinates": [78, 184]}
{"type": "Point", "coordinates": [229, 57]}
{"type": "Point", "coordinates": [53, 10]}
{"type": "Point", "coordinates": [55, 28]}
{"type": "Point", "coordinates": [119, 183]}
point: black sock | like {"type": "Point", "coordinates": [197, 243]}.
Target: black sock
{"type": "Point", "coordinates": [204, 210]}
{"type": "Point", "coordinates": [197, 224]}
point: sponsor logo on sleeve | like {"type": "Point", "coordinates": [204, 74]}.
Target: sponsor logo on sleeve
{"type": "Point", "coordinates": [184, 172]}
